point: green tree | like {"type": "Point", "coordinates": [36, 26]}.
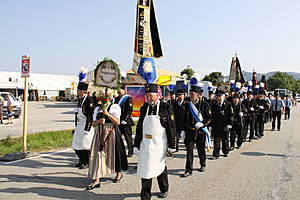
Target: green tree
{"type": "Point", "coordinates": [215, 77]}
{"type": "Point", "coordinates": [284, 81]}
{"type": "Point", "coordinates": [188, 71]}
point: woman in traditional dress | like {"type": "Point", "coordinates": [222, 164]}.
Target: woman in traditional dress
{"type": "Point", "coordinates": [108, 153]}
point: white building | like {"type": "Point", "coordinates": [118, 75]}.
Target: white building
{"type": "Point", "coordinates": [39, 85]}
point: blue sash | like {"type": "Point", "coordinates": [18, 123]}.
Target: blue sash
{"type": "Point", "coordinates": [123, 99]}
{"type": "Point", "coordinates": [197, 116]}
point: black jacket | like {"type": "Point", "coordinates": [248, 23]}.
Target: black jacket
{"type": "Point", "coordinates": [248, 105]}
{"type": "Point", "coordinates": [166, 115]}
{"type": "Point", "coordinates": [189, 122]}
{"type": "Point", "coordinates": [237, 109]}
{"type": "Point", "coordinates": [265, 104]}
{"type": "Point", "coordinates": [221, 116]}
{"type": "Point", "coordinates": [126, 110]}
{"type": "Point", "coordinates": [179, 111]}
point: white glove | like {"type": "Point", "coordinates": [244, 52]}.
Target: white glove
{"type": "Point", "coordinates": [261, 107]}
{"type": "Point", "coordinates": [228, 127]}
{"type": "Point", "coordinates": [199, 125]}
{"type": "Point", "coordinates": [171, 150]}
{"type": "Point", "coordinates": [136, 150]}
{"type": "Point", "coordinates": [241, 114]}
{"type": "Point", "coordinates": [123, 122]}
{"type": "Point", "coordinates": [182, 135]}
{"type": "Point", "coordinates": [76, 110]}
{"type": "Point", "coordinates": [252, 109]}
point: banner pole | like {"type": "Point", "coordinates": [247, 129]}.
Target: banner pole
{"type": "Point", "coordinates": [25, 115]}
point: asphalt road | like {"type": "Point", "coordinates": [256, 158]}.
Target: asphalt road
{"type": "Point", "coordinates": [42, 116]}
{"type": "Point", "coordinates": [263, 169]}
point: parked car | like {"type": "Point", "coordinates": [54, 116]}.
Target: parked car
{"type": "Point", "coordinates": [297, 98]}
{"type": "Point", "coordinates": [15, 103]}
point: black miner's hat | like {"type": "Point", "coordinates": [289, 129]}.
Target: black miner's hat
{"type": "Point", "coordinates": [196, 89]}
{"type": "Point", "coordinates": [219, 92]}
{"type": "Point", "coordinates": [179, 91]}
{"type": "Point", "coordinates": [83, 86]}
{"type": "Point", "coordinates": [151, 88]}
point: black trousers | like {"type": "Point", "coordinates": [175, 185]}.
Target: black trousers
{"type": "Point", "coordinates": [236, 132]}
{"type": "Point", "coordinates": [259, 126]}
{"type": "Point", "coordinates": [83, 155]}
{"type": "Point", "coordinates": [190, 140]}
{"type": "Point", "coordinates": [127, 132]}
{"type": "Point", "coordinates": [276, 114]}
{"type": "Point", "coordinates": [177, 139]}
{"type": "Point", "coordinates": [163, 184]}
{"type": "Point", "coordinates": [249, 123]}
{"type": "Point", "coordinates": [218, 137]}
{"type": "Point", "coordinates": [287, 113]}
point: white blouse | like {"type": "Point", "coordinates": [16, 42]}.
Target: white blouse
{"type": "Point", "coordinates": [115, 110]}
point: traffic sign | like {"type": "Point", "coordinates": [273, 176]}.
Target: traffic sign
{"type": "Point", "coordinates": [25, 68]}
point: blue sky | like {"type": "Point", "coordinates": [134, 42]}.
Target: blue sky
{"type": "Point", "coordinates": [63, 35]}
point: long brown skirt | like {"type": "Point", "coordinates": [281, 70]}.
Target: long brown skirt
{"type": "Point", "coordinates": [102, 163]}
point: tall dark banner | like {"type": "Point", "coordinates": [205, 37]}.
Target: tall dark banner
{"type": "Point", "coordinates": [239, 73]}
{"type": "Point", "coordinates": [147, 41]}
{"type": "Point", "coordinates": [236, 73]}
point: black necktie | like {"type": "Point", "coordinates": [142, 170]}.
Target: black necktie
{"type": "Point", "coordinates": [276, 105]}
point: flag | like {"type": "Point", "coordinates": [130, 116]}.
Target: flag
{"type": "Point", "coordinates": [147, 41]}
{"type": "Point", "coordinates": [147, 70]}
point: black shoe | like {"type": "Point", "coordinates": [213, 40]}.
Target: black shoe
{"type": "Point", "coordinates": [90, 187]}
{"type": "Point", "coordinates": [130, 155]}
{"type": "Point", "coordinates": [250, 140]}
{"type": "Point", "coordinates": [272, 129]}
{"type": "Point", "coordinates": [226, 155]}
{"type": "Point", "coordinates": [78, 164]}
{"type": "Point", "coordinates": [279, 129]}
{"type": "Point", "coordinates": [1, 122]}
{"type": "Point", "coordinates": [238, 147]}
{"type": "Point", "coordinates": [117, 180]}
{"type": "Point", "coordinates": [186, 174]}
{"type": "Point", "coordinates": [163, 195]}
{"type": "Point", "coordinates": [231, 148]}
{"type": "Point", "coordinates": [83, 166]}
{"type": "Point", "coordinates": [202, 169]}
{"type": "Point", "coordinates": [214, 158]}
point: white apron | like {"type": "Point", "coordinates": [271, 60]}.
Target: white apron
{"type": "Point", "coordinates": [82, 140]}
{"type": "Point", "coordinates": [153, 148]}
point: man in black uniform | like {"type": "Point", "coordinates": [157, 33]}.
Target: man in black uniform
{"type": "Point", "coordinates": [263, 107]}
{"type": "Point", "coordinates": [238, 122]}
{"type": "Point", "coordinates": [155, 136]}
{"type": "Point", "coordinates": [222, 117]}
{"type": "Point", "coordinates": [125, 102]}
{"type": "Point", "coordinates": [193, 132]}
{"type": "Point", "coordinates": [250, 117]}
{"type": "Point", "coordinates": [179, 108]}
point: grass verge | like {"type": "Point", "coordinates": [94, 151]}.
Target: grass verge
{"type": "Point", "coordinates": [37, 142]}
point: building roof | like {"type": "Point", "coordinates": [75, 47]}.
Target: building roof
{"type": "Point", "coordinates": [37, 81]}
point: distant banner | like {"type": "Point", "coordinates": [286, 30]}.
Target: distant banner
{"type": "Point", "coordinates": [147, 42]}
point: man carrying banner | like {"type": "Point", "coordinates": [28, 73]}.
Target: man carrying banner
{"type": "Point", "coordinates": [155, 136]}
{"type": "Point", "coordinates": [197, 117]}
{"type": "Point", "coordinates": [125, 102]}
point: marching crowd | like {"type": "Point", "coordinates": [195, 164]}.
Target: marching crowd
{"type": "Point", "coordinates": [229, 119]}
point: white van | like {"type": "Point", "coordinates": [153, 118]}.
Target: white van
{"type": "Point", "coordinates": [15, 103]}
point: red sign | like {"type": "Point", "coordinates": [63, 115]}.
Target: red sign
{"type": "Point", "coordinates": [25, 68]}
